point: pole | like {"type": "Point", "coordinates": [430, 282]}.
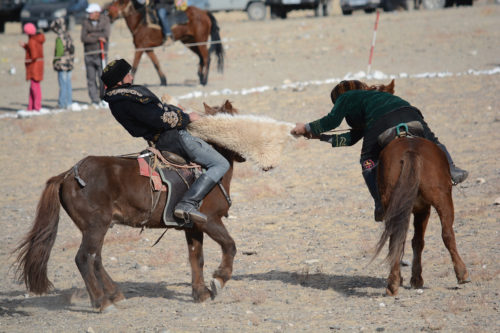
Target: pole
{"type": "Point", "coordinates": [373, 43]}
{"type": "Point", "coordinates": [103, 57]}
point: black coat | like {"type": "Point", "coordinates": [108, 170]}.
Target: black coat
{"type": "Point", "coordinates": [142, 114]}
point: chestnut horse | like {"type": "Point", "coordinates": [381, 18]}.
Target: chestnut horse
{"type": "Point", "coordinates": [414, 175]}
{"type": "Point", "coordinates": [201, 24]}
{"type": "Point", "coordinates": [115, 193]}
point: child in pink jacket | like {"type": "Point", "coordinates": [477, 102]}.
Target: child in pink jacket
{"type": "Point", "coordinates": [34, 64]}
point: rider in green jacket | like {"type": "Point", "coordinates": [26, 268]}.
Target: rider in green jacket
{"type": "Point", "coordinates": [369, 111]}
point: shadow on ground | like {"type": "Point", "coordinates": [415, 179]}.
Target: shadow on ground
{"type": "Point", "coordinates": [348, 285]}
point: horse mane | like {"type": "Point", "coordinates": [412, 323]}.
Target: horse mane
{"type": "Point", "coordinates": [389, 88]}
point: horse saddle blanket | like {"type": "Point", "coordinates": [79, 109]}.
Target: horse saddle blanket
{"type": "Point", "coordinates": [412, 128]}
{"type": "Point", "coordinates": [173, 180]}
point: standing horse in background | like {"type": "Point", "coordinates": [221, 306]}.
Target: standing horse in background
{"type": "Point", "coordinates": [201, 24]}
{"type": "Point", "coordinates": [115, 192]}
{"type": "Point", "coordinates": [414, 175]}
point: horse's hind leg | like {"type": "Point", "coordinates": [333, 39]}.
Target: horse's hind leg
{"type": "Point", "coordinates": [156, 63]}
{"type": "Point", "coordinates": [446, 215]}
{"type": "Point", "coordinates": [86, 261]}
{"type": "Point", "coordinates": [395, 279]}
{"type": "Point", "coordinates": [420, 224]}
{"type": "Point", "coordinates": [218, 232]}
{"type": "Point", "coordinates": [204, 64]}
{"type": "Point", "coordinates": [111, 290]}
{"type": "Point", "coordinates": [194, 240]}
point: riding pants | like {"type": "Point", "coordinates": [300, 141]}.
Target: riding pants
{"type": "Point", "coordinates": [162, 15]}
{"type": "Point", "coordinates": [202, 153]}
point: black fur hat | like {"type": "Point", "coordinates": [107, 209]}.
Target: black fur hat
{"type": "Point", "coordinates": [114, 72]}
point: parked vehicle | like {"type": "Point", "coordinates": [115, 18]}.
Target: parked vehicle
{"type": "Point", "coordinates": [348, 6]}
{"type": "Point", "coordinates": [42, 12]}
{"type": "Point", "coordinates": [9, 12]}
{"type": "Point", "coordinates": [280, 8]}
{"type": "Point", "coordinates": [257, 9]}
{"type": "Point", "coordinates": [438, 4]}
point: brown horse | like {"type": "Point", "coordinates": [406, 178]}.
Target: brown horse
{"type": "Point", "coordinates": [115, 193]}
{"type": "Point", "coordinates": [201, 24]}
{"type": "Point", "coordinates": [414, 175]}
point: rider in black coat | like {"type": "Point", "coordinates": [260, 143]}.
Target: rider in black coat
{"type": "Point", "coordinates": [142, 114]}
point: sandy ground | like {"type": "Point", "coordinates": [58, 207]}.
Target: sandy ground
{"type": "Point", "coordinates": [304, 231]}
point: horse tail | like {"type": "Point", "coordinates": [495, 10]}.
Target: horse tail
{"type": "Point", "coordinates": [34, 249]}
{"type": "Point", "coordinates": [217, 43]}
{"type": "Point", "coordinates": [397, 214]}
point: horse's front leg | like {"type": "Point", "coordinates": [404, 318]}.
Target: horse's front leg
{"type": "Point", "coordinates": [446, 215]}
{"type": "Point", "coordinates": [216, 230]}
{"type": "Point", "coordinates": [137, 59]}
{"type": "Point", "coordinates": [156, 63]}
{"type": "Point", "coordinates": [194, 240]}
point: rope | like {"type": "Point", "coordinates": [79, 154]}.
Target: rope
{"type": "Point", "coordinates": [186, 166]}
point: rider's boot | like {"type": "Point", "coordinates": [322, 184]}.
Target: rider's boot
{"type": "Point", "coordinates": [187, 208]}
{"type": "Point", "coordinates": [370, 176]}
{"type": "Point", "coordinates": [457, 175]}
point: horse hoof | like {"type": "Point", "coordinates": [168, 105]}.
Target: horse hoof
{"type": "Point", "coordinates": [391, 292]}
{"type": "Point", "coordinates": [163, 81]}
{"type": "Point", "coordinates": [464, 281]}
{"type": "Point", "coordinates": [108, 309]}
{"type": "Point", "coordinates": [120, 301]}
{"type": "Point", "coordinates": [216, 287]}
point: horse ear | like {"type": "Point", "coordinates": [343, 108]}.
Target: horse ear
{"type": "Point", "coordinates": [228, 107]}
{"type": "Point", "coordinates": [208, 109]}
{"type": "Point", "coordinates": [390, 87]}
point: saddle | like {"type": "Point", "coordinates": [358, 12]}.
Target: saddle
{"type": "Point", "coordinates": [169, 173]}
{"type": "Point", "coordinates": [412, 128]}
{"type": "Point", "coordinates": [174, 16]}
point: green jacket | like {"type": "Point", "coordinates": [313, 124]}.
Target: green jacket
{"type": "Point", "coordinates": [361, 109]}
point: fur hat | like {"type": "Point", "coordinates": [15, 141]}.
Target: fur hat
{"type": "Point", "coordinates": [114, 72]}
{"type": "Point", "coordinates": [93, 8]}
{"type": "Point", "coordinates": [29, 29]}
{"type": "Point", "coordinates": [346, 85]}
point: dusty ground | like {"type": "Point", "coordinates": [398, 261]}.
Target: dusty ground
{"type": "Point", "coordinates": [304, 231]}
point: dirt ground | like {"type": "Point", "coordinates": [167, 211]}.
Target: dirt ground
{"type": "Point", "coordinates": [304, 231]}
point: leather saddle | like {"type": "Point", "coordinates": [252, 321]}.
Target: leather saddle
{"type": "Point", "coordinates": [174, 16]}
{"type": "Point", "coordinates": [412, 128]}
{"type": "Point", "coordinates": [175, 175]}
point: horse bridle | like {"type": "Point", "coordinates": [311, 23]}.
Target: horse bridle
{"type": "Point", "coordinates": [124, 13]}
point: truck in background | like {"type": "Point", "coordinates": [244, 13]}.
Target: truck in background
{"type": "Point", "coordinates": [257, 9]}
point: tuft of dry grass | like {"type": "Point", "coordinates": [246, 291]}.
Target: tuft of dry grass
{"type": "Point", "coordinates": [433, 320]}
{"type": "Point", "coordinates": [484, 275]}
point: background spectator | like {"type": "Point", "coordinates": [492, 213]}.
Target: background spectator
{"type": "Point", "coordinates": [64, 55]}
{"type": "Point", "coordinates": [95, 35]}
{"type": "Point", "coordinates": [34, 64]}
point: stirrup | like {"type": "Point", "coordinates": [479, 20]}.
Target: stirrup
{"type": "Point", "coordinates": [167, 40]}
{"type": "Point", "coordinates": [190, 215]}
